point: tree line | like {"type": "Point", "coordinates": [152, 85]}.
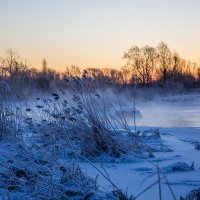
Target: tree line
{"type": "Point", "coordinates": [145, 66]}
{"type": "Point", "coordinates": [160, 65]}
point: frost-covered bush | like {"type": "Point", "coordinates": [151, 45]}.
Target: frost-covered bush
{"type": "Point", "coordinates": [8, 123]}
{"type": "Point", "coordinates": [177, 167]}
{"type": "Point", "coordinates": [193, 195]}
{"type": "Point", "coordinates": [30, 173]}
{"type": "Point", "coordinates": [76, 123]}
{"type": "Point", "coordinates": [89, 113]}
{"type": "Point", "coordinates": [78, 120]}
{"type": "Point", "coordinates": [197, 146]}
{"type": "Point", "coordinates": [82, 123]}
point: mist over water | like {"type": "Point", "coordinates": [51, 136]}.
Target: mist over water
{"type": "Point", "coordinates": [169, 113]}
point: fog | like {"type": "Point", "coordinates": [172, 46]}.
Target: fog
{"type": "Point", "coordinates": [171, 112]}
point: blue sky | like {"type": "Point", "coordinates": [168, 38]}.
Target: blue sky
{"type": "Point", "coordinates": [96, 32]}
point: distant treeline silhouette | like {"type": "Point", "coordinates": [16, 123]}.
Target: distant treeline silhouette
{"type": "Point", "coordinates": [146, 66]}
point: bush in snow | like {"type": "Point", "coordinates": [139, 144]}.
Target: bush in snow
{"type": "Point", "coordinates": [193, 195]}
{"type": "Point", "coordinates": [30, 173]}
{"type": "Point", "coordinates": [8, 124]}
{"type": "Point", "coordinates": [83, 123]}
{"type": "Point", "coordinates": [197, 146]}
{"type": "Point", "coordinates": [177, 167]}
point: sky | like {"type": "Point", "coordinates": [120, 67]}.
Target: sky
{"type": "Point", "coordinates": [96, 33]}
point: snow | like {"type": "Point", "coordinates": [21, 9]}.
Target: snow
{"type": "Point", "coordinates": [135, 176]}
{"type": "Point", "coordinates": [175, 157]}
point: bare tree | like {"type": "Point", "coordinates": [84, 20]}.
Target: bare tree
{"type": "Point", "coordinates": [126, 75]}
{"type": "Point", "coordinates": [44, 66]}
{"type": "Point", "coordinates": [149, 56]}
{"type": "Point", "coordinates": [134, 60]}
{"type": "Point", "coordinates": [73, 71]}
{"type": "Point", "coordinates": [164, 55]}
{"type": "Point", "coordinates": [142, 61]}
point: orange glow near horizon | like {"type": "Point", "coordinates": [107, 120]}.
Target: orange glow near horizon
{"type": "Point", "coordinates": [95, 33]}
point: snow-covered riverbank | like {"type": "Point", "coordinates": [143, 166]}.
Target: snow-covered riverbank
{"type": "Point", "coordinates": [75, 149]}
{"type": "Point", "coordinates": [137, 175]}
